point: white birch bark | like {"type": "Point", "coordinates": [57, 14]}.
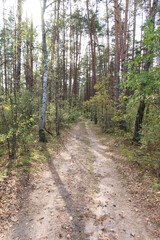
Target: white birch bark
{"type": "Point", "coordinates": [44, 98]}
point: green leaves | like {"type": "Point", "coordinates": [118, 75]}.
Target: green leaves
{"type": "Point", "coordinates": [151, 37]}
{"type": "Point", "coordinates": [145, 83]}
{"type": "Point", "coordinates": [142, 80]}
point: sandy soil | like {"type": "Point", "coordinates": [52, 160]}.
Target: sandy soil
{"type": "Point", "coordinates": [80, 195]}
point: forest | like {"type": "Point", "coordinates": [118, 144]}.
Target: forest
{"type": "Point", "coordinates": [97, 60]}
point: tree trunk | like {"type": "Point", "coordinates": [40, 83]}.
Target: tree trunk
{"type": "Point", "coordinates": [149, 8]}
{"type": "Point", "coordinates": [70, 70]}
{"type": "Point", "coordinates": [57, 77]}
{"type": "Point", "coordinates": [134, 28]}
{"type": "Point", "coordinates": [5, 57]}
{"type": "Point", "coordinates": [139, 120]}
{"type": "Point", "coordinates": [42, 137]}
{"type": "Point", "coordinates": [64, 57]}
{"type": "Point", "coordinates": [31, 56]}
{"type": "Point", "coordinates": [27, 78]}
{"type": "Point", "coordinates": [108, 47]}
{"type": "Point", "coordinates": [19, 43]}
{"type": "Point", "coordinates": [117, 57]}
{"type": "Point", "coordinates": [92, 52]}
{"type": "Point", "coordinates": [75, 84]}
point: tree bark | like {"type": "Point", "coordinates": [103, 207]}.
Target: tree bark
{"type": "Point", "coordinates": [64, 57]}
{"type": "Point", "coordinates": [108, 48]}
{"type": "Point", "coordinates": [134, 28]}
{"type": "Point", "coordinates": [5, 57]}
{"type": "Point", "coordinates": [139, 120]}
{"type": "Point", "coordinates": [57, 77]}
{"type": "Point", "coordinates": [75, 84]}
{"type": "Point", "coordinates": [19, 43]}
{"type": "Point", "coordinates": [92, 52]}
{"type": "Point", "coordinates": [70, 68]}
{"type": "Point", "coordinates": [44, 97]}
{"type": "Point", "coordinates": [31, 56]}
{"type": "Point", "coordinates": [117, 57]}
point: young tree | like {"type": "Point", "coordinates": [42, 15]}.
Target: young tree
{"type": "Point", "coordinates": [147, 64]}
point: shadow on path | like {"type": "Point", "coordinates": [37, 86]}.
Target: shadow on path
{"type": "Point", "coordinates": [77, 224]}
{"type": "Point", "coordinates": [24, 188]}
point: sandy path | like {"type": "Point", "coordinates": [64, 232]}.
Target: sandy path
{"type": "Point", "coordinates": [80, 196]}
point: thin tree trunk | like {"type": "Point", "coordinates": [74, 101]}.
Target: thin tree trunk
{"type": "Point", "coordinates": [31, 56]}
{"type": "Point", "coordinates": [13, 102]}
{"type": "Point", "coordinates": [122, 40]}
{"type": "Point", "coordinates": [75, 84]}
{"type": "Point", "coordinates": [150, 8]}
{"type": "Point", "coordinates": [57, 77]}
{"type": "Point", "coordinates": [139, 120]}
{"type": "Point", "coordinates": [70, 70]}
{"type": "Point", "coordinates": [108, 48]}
{"type": "Point", "coordinates": [92, 51]}
{"type": "Point", "coordinates": [125, 34]}
{"type": "Point", "coordinates": [27, 78]}
{"type": "Point", "coordinates": [134, 28]}
{"type": "Point", "coordinates": [64, 57]}
{"type": "Point", "coordinates": [19, 43]}
{"type": "Point", "coordinates": [44, 97]}
{"type": "Point", "coordinates": [117, 57]}
{"type": "Point", "coordinates": [79, 61]}
{"type": "Point", "coordinates": [5, 57]}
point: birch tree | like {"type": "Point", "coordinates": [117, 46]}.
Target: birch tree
{"type": "Point", "coordinates": [44, 97]}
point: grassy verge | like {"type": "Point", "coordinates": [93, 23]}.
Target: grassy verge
{"type": "Point", "coordinates": [143, 160]}
{"type": "Point", "coordinates": [33, 157]}
{"type": "Point", "coordinates": [28, 164]}
{"type": "Point", "coordinates": [138, 167]}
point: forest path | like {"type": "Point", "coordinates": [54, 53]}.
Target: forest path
{"type": "Point", "coordinates": [80, 196]}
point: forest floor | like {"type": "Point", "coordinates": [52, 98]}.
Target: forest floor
{"type": "Point", "coordinates": [82, 194]}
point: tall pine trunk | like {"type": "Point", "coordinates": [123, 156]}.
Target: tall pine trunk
{"type": "Point", "coordinates": [57, 77]}
{"type": "Point", "coordinates": [117, 58]}
{"type": "Point", "coordinates": [70, 68]}
{"type": "Point", "coordinates": [19, 44]}
{"type": "Point", "coordinates": [92, 50]}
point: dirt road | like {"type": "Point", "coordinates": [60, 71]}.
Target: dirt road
{"type": "Point", "coordinates": [80, 196]}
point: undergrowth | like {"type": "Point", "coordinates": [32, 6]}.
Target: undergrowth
{"type": "Point", "coordinates": [35, 154]}
{"type": "Point", "coordinates": [144, 159]}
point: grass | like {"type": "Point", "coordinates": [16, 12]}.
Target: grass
{"type": "Point", "coordinates": [145, 160]}
{"type": "Point", "coordinates": [25, 161]}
